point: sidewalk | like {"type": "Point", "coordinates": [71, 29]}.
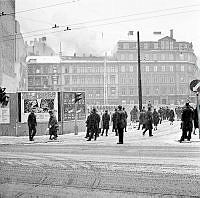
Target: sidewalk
{"type": "Point", "coordinates": [165, 135]}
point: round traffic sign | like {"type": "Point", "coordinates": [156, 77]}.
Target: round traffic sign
{"type": "Point", "coordinates": [195, 85]}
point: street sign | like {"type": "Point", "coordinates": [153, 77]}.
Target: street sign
{"type": "Point", "coordinates": [195, 86]}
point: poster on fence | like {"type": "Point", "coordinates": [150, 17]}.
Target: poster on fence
{"type": "Point", "coordinates": [69, 106]}
{"type": "Point", "coordinates": [4, 115]}
{"type": "Point", "coordinates": [41, 103]}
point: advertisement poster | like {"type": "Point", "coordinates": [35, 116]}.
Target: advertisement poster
{"type": "Point", "coordinates": [5, 115]}
{"type": "Point", "coordinates": [69, 106]}
{"type": "Point", "coordinates": [41, 103]}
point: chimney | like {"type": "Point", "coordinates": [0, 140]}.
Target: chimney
{"type": "Point", "coordinates": [171, 33]}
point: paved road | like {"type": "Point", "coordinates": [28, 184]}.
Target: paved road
{"type": "Point", "coordinates": [101, 169]}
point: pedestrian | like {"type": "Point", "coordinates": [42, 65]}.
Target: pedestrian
{"type": "Point", "coordinates": [160, 111]}
{"type": "Point", "coordinates": [196, 124]}
{"type": "Point", "coordinates": [114, 120]}
{"type": "Point", "coordinates": [121, 123]}
{"type": "Point", "coordinates": [93, 124]}
{"type": "Point", "coordinates": [53, 126]}
{"type": "Point", "coordinates": [155, 119]}
{"type": "Point", "coordinates": [148, 122]}
{"type": "Point", "coordinates": [106, 121]}
{"type": "Point", "coordinates": [187, 125]}
{"type": "Point", "coordinates": [141, 119]}
{"type": "Point", "coordinates": [87, 126]}
{"type": "Point", "coordinates": [171, 116]}
{"type": "Point", "coordinates": [126, 115]}
{"type": "Point", "coordinates": [32, 123]}
{"type": "Point", "coordinates": [134, 116]}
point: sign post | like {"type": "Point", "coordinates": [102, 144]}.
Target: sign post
{"type": "Point", "coordinates": [195, 87]}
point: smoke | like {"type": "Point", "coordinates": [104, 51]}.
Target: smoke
{"type": "Point", "coordinates": [82, 42]}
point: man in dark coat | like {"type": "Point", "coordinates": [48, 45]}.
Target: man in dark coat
{"type": "Point", "coordinates": [106, 121]}
{"type": "Point", "coordinates": [148, 122]}
{"type": "Point", "coordinates": [141, 119]}
{"type": "Point", "coordinates": [155, 119]}
{"type": "Point", "coordinates": [93, 124]}
{"type": "Point", "coordinates": [187, 125]}
{"type": "Point", "coordinates": [121, 123]}
{"type": "Point", "coordinates": [160, 112]}
{"type": "Point", "coordinates": [53, 126]}
{"type": "Point", "coordinates": [171, 116]}
{"type": "Point", "coordinates": [32, 123]}
{"type": "Point", "coordinates": [114, 120]}
{"type": "Point", "coordinates": [126, 117]}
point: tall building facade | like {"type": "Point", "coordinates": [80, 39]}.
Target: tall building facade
{"type": "Point", "coordinates": [167, 68]}
{"type": "Point", "coordinates": [13, 70]}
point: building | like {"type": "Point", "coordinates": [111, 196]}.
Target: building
{"type": "Point", "coordinates": [39, 47]}
{"type": "Point", "coordinates": [167, 68]}
{"type": "Point", "coordinates": [13, 71]}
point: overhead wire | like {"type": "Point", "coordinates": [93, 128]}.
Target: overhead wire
{"type": "Point", "coordinates": [39, 8]}
{"type": "Point", "coordinates": [96, 25]}
{"type": "Point", "coordinates": [111, 18]}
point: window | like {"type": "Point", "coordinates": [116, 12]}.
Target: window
{"type": "Point", "coordinates": [154, 56]}
{"type": "Point", "coordinates": [131, 68]}
{"type": "Point", "coordinates": [30, 69]}
{"type": "Point", "coordinates": [155, 68]}
{"type": "Point", "coordinates": [66, 70]}
{"type": "Point", "coordinates": [126, 45]}
{"type": "Point", "coordinates": [30, 80]}
{"type": "Point", "coordinates": [112, 68]}
{"type": "Point", "coordinates": [131, 45]}
{"type": "Point", "coordinates": [113, 90]}
{"type": "Point", "coordinates": [155, 45]}
{"type": "Point", "coordinates": [145, 45]}
{"type": "Point", "coordinates": [163, 68]}
{"type": "Point", "coordinates": [37, 71]}
{"type": "Point", "coordinates": [122, 57]}
{"type": "Point", "coordinates": [182, 68]}
{"type": "Point", "coordinates": [123, 68]}
{"type": "Point", "coordinates": [171, 79]}
{"type": "Point", "coordinates": [67, 80]}
{"type": "Point", "coordinates": [162, 56]}
{"type": "Point", "coordinates": [171, 68]}
{"type": "Point", "coordinates": [112, 79]}
{"type": "Point", "coordinates": [147, 68]}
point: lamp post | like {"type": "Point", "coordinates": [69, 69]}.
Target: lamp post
{"type": "Point", "coordinates": [139, 73]}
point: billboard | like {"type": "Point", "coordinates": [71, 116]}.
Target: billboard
{"type": "Point", "coordinates": [69, 106]}
{"type": "Point", "coordinates": [41, 102]}
{"type": "Point", "coordinates": [5, 113]}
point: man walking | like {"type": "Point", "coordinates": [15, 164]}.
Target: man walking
{"type": "Point", "coordinates": [121, 123]}
{"type": "Point", "coordinates": [187, 125]}
{"type": "Point", "coordinates": [32, 123]}
{"type": "Point", "coordinates": [148, 122]}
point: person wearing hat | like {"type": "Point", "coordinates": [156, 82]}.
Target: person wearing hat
{"type": "Point", "coordinates": [106, 121]}
{"type": "Point", "coordinates": [32, 123]}
{"type": "Point", "coordinates": [93, 124]}
{"type": "Point", "coordinates": [121, 124]}
{"type": "Point", "coordinates": [187, 122]}
{"type": "Point", "coordinates": [53, 126]}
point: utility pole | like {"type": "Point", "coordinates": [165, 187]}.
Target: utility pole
{"type": "Point", "coordinates": [198, 112]}
{"type": "Point", "coordinates": [139, 73]}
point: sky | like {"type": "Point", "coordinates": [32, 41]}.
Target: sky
{"type": "Point", "coordinates": [97, 25]}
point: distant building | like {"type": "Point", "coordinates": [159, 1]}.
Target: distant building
{"type": "Point", "coordinates": [167, 69]}
{"type": "Point", "coordinates": [39, 47]}
{"type": "Point", "coordinates": [13, 72]}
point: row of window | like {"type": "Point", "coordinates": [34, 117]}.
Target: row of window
{"type": "Point", "coordinates": [164, 44]}
{"type": "Point", "coordinates": [124, 91]}
{"type": "Point", "coordinates": [180, 56]}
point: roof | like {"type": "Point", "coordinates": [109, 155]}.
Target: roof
{"type": "Point", "coordinates": [43, 59]}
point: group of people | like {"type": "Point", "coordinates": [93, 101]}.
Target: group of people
{"type": "Point", "coordinates": [97, 125]}
{"type": "Point", "coordinates": [52, 125]}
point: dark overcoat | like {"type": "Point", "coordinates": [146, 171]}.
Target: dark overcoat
{"type": "Point", "coordinates": [187, 118]}
{"type": "Point", "coordinates": [155, 118]}
{"type": "Point", "coordinates": [149, 120]}
{"type": "Point", "coordinates": [106, 120]}
{"type": "Point", "coordinates": [52, 125]}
